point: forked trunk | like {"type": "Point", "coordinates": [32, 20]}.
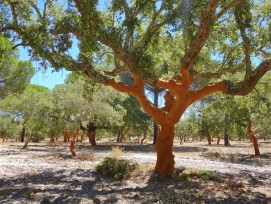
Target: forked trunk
{"type": "Point", "coordinates": [254, 139]}
{"type": "Point", "coordinates": [164, 143]}
{"type": "Point", "coordinates": [144, 137]}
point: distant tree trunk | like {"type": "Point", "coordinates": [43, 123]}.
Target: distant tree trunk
{"type": "Point", "coordinates": [121, 137]}
{"type": "Point", "coordinates": [73, 141]}
{"type": "Point", "coordinates": [91, 138]}
{"type": "Point", "coordinates": [22, 135]}
{"type": "Point", "coordinates": [209, 139]}
{"type": "Point", "coordinates": [226, 133]}
{"type": "Point", "coordinates": [218, 139]}
{"type": "Point", "coordinates": [28, 138]}
{"type": "Point", "coordinates": [52, 138]}
{"type": "Point", "coordinates": [254, 139]}
{"type": "Point", "coordinates": [91, 128]}
{"type": "Point", "coordinates": [82, 136]}
{"type": "Point", "coordinates": [66, 135]}
{"type": "Point", "coordinates": [118, 137]}
{"type": "Point", "coordinates": [144, 137]}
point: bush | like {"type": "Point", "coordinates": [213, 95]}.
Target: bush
{"type": "Point", "coordinates": [188, 175]}
{"type": "Point", "coordinates": [115, 168]}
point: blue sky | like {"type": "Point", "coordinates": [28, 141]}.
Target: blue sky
{"type": "Point", "coordinates": [46, 78]}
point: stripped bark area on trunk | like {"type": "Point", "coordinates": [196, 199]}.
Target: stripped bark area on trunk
{"type": "Point", "coordinates": [73, 141]}
{"type": "Point", "coordinates": [164, 144]}
{"type": "Point", "coordinates": [254, 139]}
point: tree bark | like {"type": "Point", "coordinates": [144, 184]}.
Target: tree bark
{"type": "Point", "coordinates": [209, 137]}
{"type": "Point", "coordinates": [66, 136]}
{"type": "Point", "coordinates": [254, 139]}
{"type": "Point", "coordinates": [164, 143]}
{"type": "Point", "coordinates": [226, 133]}
{"type": "Point", "coordinates": [144, 137]}
{"type": "Point", "coordinates": [73, 141]}
{"type": "Point", "coordinates": [218, 139]}
{"type": "Point", "coordinates": [91, 138]}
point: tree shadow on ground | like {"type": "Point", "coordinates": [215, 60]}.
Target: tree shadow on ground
{"type": "Point", "coordinates": [87, 186]}
{"type": "Point", "coordinates": [136, 148]}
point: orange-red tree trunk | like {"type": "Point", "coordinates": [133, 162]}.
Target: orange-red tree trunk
{"type": "Point", "coordinates": [164, 144]}
{"type": "Point", "coordinates": [91, 138]}
{"type": "Point", "coordinates": [177, 99]}
{"type": "Point", "coordinates": [72, 146]}
{"type": "Point", "coordinates": [66, 135]}
{"type": "Point", "coordinates": [209, 137]}
{"type": "Point", "coordinates": [254, 139]}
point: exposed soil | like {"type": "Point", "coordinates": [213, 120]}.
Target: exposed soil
{"type": "Point", "coordinates": [46, 173]}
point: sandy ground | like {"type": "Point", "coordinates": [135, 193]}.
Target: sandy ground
{"type": "Point", "coordinates": [46, 173]}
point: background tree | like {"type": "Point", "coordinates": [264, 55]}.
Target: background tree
{"type": "Point", "coordinates": [31, 108]}
{"type": "Point", "coordinates": [219, 39]}
{"type": "Point", "coordinates": [15, 74]}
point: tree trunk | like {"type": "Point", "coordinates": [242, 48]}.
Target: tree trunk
{"type": "Point", "coordinates": [155, 129]}
{"type": "Point", "coordinates": [66, 136]}
{"type": "Point", "coordinates": [144, 137]}
{"type": "Point", "coordinates": [209, 137]}
{"type": "Point", "coordinates": [72, 146]}
{"type": "Point", "coordinates": [82, 136]}
{"type": "Point", "coordinates": [118, 137]}
{"type": "Point", "coordinates": [91, 138]}
{"type": "Point", "coordinates": [121, 137]}
{"type": "Point", "coordinates": [52, 139]}
{"type": "Point", "coordinates": [226, 133]}
{"type": "Point", "coordinates": [164, 143]}
{"type": "Point", "coordinates": [218, 139]}
{"type": "Point", "coordinates": [22, 135]}
{"type": "Point", "coordinates": [254, 139]}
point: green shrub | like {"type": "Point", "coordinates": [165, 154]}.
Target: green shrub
{"type": "Point", "coordinates": [115, 168]}
{"type": "Point", "coordinates": [190, 174]}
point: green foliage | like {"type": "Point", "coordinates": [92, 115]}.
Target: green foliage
{"type": "Point", "coordinates": [115, 168]}
{"type": "Point", "coordinates": [189, 175]}
{"type": "Point", "coordinates": [15, 74]}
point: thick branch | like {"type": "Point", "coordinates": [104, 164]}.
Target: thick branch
{"type": "Point", "coordinates": [248, 84]}
{"type": "Point", "coordinates": [207, 90]}
{"type": "Point", "coordinates": [246, 44]}
{"type": "Point", "coordinates": [138, 92]}
{"type": "Point", "coordinates": [213, 75]}
{"type": "Point", "coordinates": [202, 35]}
